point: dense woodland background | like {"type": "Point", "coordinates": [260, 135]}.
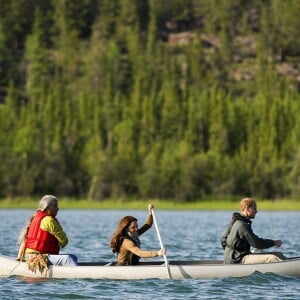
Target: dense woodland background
{"type": "Point", "coordinates": [178, 99]}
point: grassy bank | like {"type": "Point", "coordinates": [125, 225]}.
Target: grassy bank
{"type": "Point", "coordinates": [291, 205]}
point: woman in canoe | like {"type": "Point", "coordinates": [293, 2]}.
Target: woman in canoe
{"type": "Point", "coordinates": [126, 243]}
{"type": "Point", "coordinates": [239, 237]}
{"type": "Point", "coordinates": [42, 237]}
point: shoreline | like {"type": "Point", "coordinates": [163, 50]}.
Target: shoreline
{"type": "Point", "coordinates": [66, 203]}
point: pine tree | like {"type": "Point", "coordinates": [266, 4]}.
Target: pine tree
{"type": "Point", "coordinates": [37, 57]}
{"type": "Point", "coordinates": [4, 59]}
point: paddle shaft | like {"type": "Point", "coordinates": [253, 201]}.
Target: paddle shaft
{"type": "Point", "coordinates": [160, 242]}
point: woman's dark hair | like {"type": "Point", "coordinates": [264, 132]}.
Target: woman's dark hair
{"type": "Point", "coordinates": [120, 232]}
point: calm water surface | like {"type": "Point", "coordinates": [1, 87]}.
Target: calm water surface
{"type": "Point", "coordinates": [186, 235]}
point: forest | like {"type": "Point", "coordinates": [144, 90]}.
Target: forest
{"type": "Point", "coordinates": [180, 99]}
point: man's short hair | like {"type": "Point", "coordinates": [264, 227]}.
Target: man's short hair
{"type": "Point", "coordinates": [247, 203]}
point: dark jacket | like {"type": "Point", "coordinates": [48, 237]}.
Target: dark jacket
{"type": "Point", "coordinates": [239, 237]}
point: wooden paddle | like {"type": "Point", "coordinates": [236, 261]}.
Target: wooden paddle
{"type": "Point", "coordinates": [161, 244]}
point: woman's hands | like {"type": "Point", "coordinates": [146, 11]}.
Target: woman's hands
{"type": "Point", "coordinates": [150, 207]}
{"type": "Point", "coordinates": [161, 252]}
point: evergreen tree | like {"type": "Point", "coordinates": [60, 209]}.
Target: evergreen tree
{"type": "Point", "coordinates": [37, 57]}
{"type": "Point", "coordinates": [98, 101]}
{"type": "Point", "coordinates": [4, 59]}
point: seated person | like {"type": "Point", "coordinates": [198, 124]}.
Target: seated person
{"type": "Point", "coordinates": [42, 237]}
{"type": "Point", "coordinates": [239, 237]}
{"type": "Point", "coordinates": [126, 243]}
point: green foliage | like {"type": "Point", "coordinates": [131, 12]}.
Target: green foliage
{"type": "Point", "coordinates": [38, 62]}
{"type": "Point", "coordinates": [145, 98]}
{"type": "Point", "coordinates": [4, 57]}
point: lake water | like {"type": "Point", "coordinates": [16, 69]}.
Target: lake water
{"type": "Point", "coordinates": [185, 234]}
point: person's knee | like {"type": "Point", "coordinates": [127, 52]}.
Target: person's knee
{"type": "Point", "coordinates": [280, 255]}
{"type": "Point", "coordinates": [273, 258]}
{"type": "Point", "coordinates": [72, 260]}
{"type": "Point", "coordinates": [63, 260]}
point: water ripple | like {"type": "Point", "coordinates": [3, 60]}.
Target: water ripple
{"type": "Point", "coordinates": [186, 235]}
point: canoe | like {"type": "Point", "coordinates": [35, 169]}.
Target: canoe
{"type": "Point", "coordinates": [204, 269]}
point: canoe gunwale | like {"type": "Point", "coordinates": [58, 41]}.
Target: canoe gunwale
{"type": "Point", "coordinates": [179, 269]}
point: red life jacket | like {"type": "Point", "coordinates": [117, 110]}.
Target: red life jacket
{"type": "Point", "coordinates": [39, 239]}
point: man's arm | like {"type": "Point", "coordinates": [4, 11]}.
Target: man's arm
{"type": "Point", "coordinates": [255, 241]}
{"type": "Point", "coordinates": [50, 225]}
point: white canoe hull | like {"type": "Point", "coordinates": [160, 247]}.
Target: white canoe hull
{"type": "Point", "coordinates": [177, 270]}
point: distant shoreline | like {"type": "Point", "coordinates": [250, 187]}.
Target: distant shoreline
{"type": "Point", "coordinates": [276, 205]}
